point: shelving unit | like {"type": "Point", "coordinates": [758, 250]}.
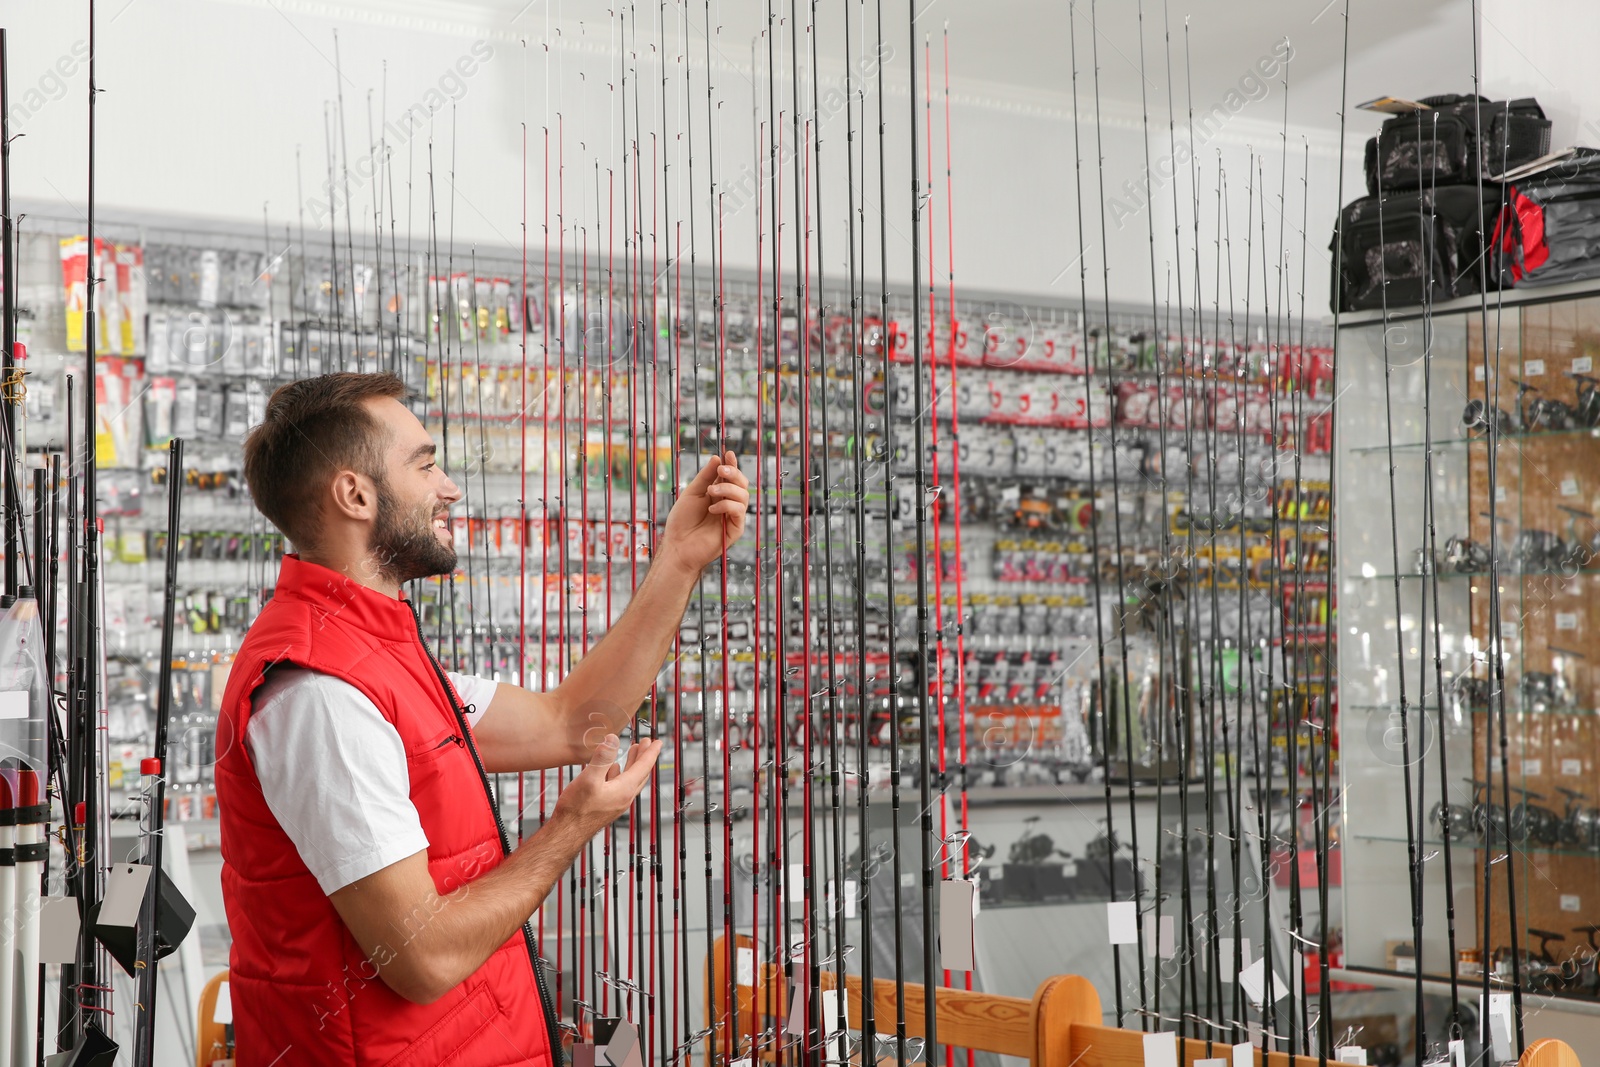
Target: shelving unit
{"type": "Point", "coordinates": [1407, 593]}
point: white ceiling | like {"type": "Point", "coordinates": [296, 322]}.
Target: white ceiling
{"type": "Point", "coordinates": [1020, 49]}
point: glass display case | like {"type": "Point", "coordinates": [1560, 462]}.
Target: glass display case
{"type": "Point", "coordinates": [1469, 666]}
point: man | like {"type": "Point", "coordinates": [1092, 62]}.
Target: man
{"type": "Point", "coordinates": [378, 917]}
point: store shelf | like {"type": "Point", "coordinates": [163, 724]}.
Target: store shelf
{"type": "Point", "coordinates": [1476, 845]}
{"type": "Point", "coordinates": [1469, 986]}
{"type": "Point", "coordinates": [1449, 576]}
{"type": "Point", "coordinates": [1579, 434]}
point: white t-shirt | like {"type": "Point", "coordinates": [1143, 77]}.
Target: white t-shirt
{"type": "Point", "coordinates": [333, 771]}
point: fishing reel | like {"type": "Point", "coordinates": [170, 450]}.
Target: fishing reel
{"type": "Point", "coordinates": [1543, 691]}
{"type": "Point", "coordinates": [1537, 551]}
{"type": "Point", "coordinates": [1587, 411]}
{"type": "Point", "coordinates": [1580, 824]}
{"type": "Point", "coordinates": [1464, 556]}
{"type": "Point", "coordinates": [1476, 417]}
{"type": "Point", "coordinates": [1453, 821]}
{"type": "Point", "coordinates": [1543, 413]}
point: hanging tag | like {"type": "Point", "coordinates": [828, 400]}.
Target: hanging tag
{"type": "Point", "coordinates": [1351, 1054]}
{"type": "Point", "coordinates": [797, 883]}
{"type": "Point", "coordinates": [1211, 1063]}
{"type": "Point", "coordinates": [623, 1048]}
{"type": "Point", "coordinates": [957, 929]}
{"type": "Point", "coordinates": [1255, 1042]}
{"type": "Point", "coordinates": [223, 1011]}
{"type": "Point", "coordinates": [1458, 1054]}
{"type": "Point", "coordinates": [796, 1023]}
{"type": "Point", "coordinates": [1244, 1054]}
{"type": "Point", "coordinates": [851, 889]}
{"type": "Point", "coordinates": [1122, 922]}
{"type": "Point", "coordinates": [1500, 1026]}
{"type": "Point", "coordinates": [1163, 943]}
{"type": "Point", "coordinates": [125, 886]}
{"type": "Point", "coordinates": [58, 930]}
{"type": "Point", "coordinates": [1160, 1050]}
{"type": "Point", "coordinates": [1225, 948]}
{"type": "Point", "coordinates": [583, 1054]}
{"type": "Point", "coordinates": [1254, 978]}
{"type": "Point", "coordinates": [744, 965]}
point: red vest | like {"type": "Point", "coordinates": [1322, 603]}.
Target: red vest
{"type": "Point", "coordinates": [303, 991]}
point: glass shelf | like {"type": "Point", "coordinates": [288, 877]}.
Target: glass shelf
{"type": "Point", "coordinates": [1582, 432]}
{"type": "Point", "coordinates": [1456, 575]}
{"type": "Point", "coordinates": [1434, 708]}
{"type": "Point", "coordinates": [1476, 845]}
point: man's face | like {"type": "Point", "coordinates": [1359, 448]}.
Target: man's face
{"type": "Point", "coordinates": [411, 537]}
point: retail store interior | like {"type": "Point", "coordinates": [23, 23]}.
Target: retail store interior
{"type": "Point", "coordinates": [1161, 629]}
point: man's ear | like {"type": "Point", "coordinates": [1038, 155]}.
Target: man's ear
{"type": "Point", "coordinates": [353, 496]}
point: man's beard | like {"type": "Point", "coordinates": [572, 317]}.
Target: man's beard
{"type": "Point", "coordinates": [404, 545]}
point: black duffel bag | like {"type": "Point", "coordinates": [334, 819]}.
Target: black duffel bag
{"type": "Point", "coordinates": [1441, 146]}
{"type": "Point", "coordinates": [1422, 246]}
{"type": "Point", "coordinates": [1549, 230]}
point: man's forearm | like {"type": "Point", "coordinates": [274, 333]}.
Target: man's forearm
{"type": "Point", "coordinates": [456, 932]}
{"type": "Point", "coordinates": [605, 688]}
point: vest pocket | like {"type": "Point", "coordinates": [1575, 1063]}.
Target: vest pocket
{"type": "Point", "coordinates": [442, 744]}
{"type": "Point", "coordinates": [453, 1032]}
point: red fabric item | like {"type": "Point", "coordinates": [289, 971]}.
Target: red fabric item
{"type": "Point", "coordinates": [303, 991]}
{"type": "Point", "coordinates": [1519, 233]}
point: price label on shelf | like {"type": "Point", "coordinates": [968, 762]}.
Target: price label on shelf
{"type": "Point", "coordinates": [1583, 365]}
{"type": "Point", "coordinates": [1572, 767]}
{"type": "Point", "coordinates": [1571, 902]}
{"type": "Point", "coordinates": [1566, 620]}
{"type": "Point", "coordinates": [1477, 374]}
{"type": "Point", "coordinates": [1532, 768]}
{"type": "Point", "coordinates": [1569, 486]}
{"type": "Point", "coordinates": [1499, 494]}
{"type": "Point", "coordinates": [1533, 368]}
{"type": "Point", "coordinates": [1508, 631]}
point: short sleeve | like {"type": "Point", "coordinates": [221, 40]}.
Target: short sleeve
{"type": "Point", "coordinates": [475, 694]}
{"type": "Point", "coordinates": [333, 772]}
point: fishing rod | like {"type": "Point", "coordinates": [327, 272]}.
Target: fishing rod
{"type": "Point", "coordinates": [90, 965]}
{"type": "Point", "coordinates": [922, 503]}
{"type": "Point", "coordinates": [1102, 679]}
{"type": "Point", "coordinates": [8, 328]}
{"type": "Point", "coordinates": [154, 772]}
{"type": "Point", "coordinates": [1124, 696]}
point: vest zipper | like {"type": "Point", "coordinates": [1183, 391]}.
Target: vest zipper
{"type": "Point", "coordinates": [553, 1030]}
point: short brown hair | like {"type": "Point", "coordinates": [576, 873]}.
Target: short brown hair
{"type": "Point", "coordinates": [314, 428]}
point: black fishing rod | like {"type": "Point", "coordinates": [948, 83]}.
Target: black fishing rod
{"type": "Point", "coordinates": [1094, 526]}
{"type": "Point", "coordinates": [90, 985]}
{"type": "Point", "coordinates": [8, 329]}
{"type": "Point", "coordinates": [155, 771]}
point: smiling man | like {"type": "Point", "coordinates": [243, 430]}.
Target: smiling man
{"type": "Point", "coordinates": [378, 912]}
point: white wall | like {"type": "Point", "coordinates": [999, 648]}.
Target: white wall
{"type": "Point", "coordinates": [217, 110]}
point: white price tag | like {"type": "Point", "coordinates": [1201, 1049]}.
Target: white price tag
{"type": "Point", "coordinates": [850, 891]}
{"type": "Point", "coordinates": [1508, 631]}
{"type": "Point", "coordinates": [1122, 922]}
{"type": "Point", "coordinates": [1571, 902]}
{"type": "Point", "coordinates": [1351, 1054]}
{"type": "Point", "coordinates": [223, 1011]}
{"type": "Point", "coordinates": [797, 883]}
{"type": "Point", "coordinates": [125, 886]}
{"type": "Point", "coordinates": [957, 929]}
{"type": "Point", "coordinates": [1566, 620]}
{"type": "Point", "coordinates": [1533, 368]}
{"type": "Point", "coordinates": [1244, 1055]}
{"type": "Point", "coordinates": [1532, 768]}
{"type": "Point", "coordinates": [58, 931]}
{"type": "Point", "coordinates": [1499, 494]}
{"type": "Point", "coordinates": [1160, 1050]}
{"type": "Point", "coordinates": [1572, 767]}
{"type": "Point", "coordinates": [1254, 981]}
{"type": "Point", "coordinates": [745, 966]}
{"type": "Point", "coordinates": [1477, 374]}
{"type": "Point", "coordinates": [1458, 1049]}
{"type": "Point", "coordinates": [1569, 486]}
{"type": "Point", "coordinates": [834, 1013]}
{"type": "Point", "coordinates": [14, 704]}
